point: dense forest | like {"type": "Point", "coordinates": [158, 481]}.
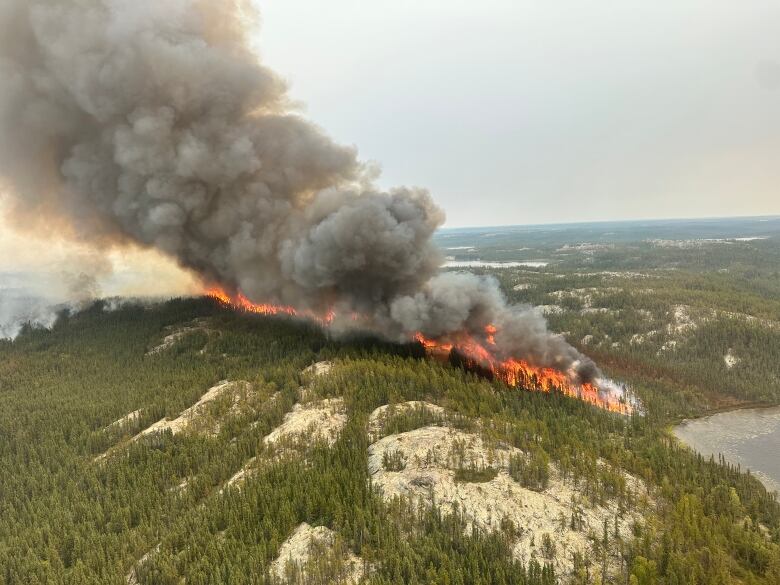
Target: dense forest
{"type": "Point", "coordinates": [84, 502]}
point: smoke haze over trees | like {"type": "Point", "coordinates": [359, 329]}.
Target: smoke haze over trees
{"type": "Point", "coordinates": [154, 124]}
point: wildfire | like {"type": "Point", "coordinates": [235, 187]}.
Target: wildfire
{"type": "Point", "coordinates": [475, 353]}
{"type": "Point", "coordinates": [240, 302]}
{"type": "Point", "coordinates": [516, 372]}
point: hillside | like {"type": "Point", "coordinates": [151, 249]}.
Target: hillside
{"type": "Point", "coordinates": [185, 442]}
{"type": "Point", "coordinates": [688, 311]}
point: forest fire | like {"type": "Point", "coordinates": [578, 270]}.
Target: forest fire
{"type": "Point", "coordinates": [240, 302]}
{"type": "Point", "coordinates": [519, 373]}
{"type": "Point", "coordinates": [472, 354]}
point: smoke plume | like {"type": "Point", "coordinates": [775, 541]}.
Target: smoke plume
{"type": "Point", "coordinates": [153, 123]}
{"type": "Point", "coordinates": [60, 281]}
{"type": "Point", "coordinates": [18, 308]}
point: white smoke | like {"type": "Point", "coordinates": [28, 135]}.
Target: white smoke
{"type": "Point", "coordinates": [19, 308]}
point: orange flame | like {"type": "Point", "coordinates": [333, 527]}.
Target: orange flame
{"type": "Point", "coordinates": [514, 372]}
{"type": "Point", "coordinates": [519, 373]}
{"type": "Point", "coordinates": [240, 302]}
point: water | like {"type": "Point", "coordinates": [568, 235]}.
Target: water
{"type": "Point", "coordinates": [750, 438]}
{"type": "Point", "coordinates": [482, 264]}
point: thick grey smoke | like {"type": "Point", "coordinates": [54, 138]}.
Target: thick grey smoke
{"type": "Point", "coordinates": [153, 123]}
{"type": "Point", "coordinates": [452, 302]}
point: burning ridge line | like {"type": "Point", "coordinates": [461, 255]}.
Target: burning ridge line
{"type": "Point", "coordinates": [472, 355]}
{"type": "Point", "coordinates": [132, 148]}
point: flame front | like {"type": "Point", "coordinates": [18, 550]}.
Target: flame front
{"type": "Point", "coordinates": [240, 302]}
{"type": "Point", "coordinates": [519, 373]}
{"type": "Point", "coordinates": [513, 371]}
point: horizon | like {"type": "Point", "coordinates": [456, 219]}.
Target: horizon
{"type": "Point", "coordinates": [618, 221]}
{"type": "Point", "coordinates": [511, 115]}
{"type": "Point", "coordinates": [389, 292]}
{"type": "Point", "coordinates": [136, 273]}
{"type": "Point", "coordinates": [517, 113]}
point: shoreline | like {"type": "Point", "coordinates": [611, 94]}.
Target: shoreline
{"type": "Point", "coordinates": [725, 409]}
{"type": "Point", "coordinates": [741, 439]}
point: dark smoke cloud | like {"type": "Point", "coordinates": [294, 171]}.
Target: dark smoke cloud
{"type": "Point", "coordinates": [153, 123]}
{"type": "Point", "coordinates": [452, 302]}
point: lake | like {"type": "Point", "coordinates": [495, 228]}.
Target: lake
{"type": "Point", "coordinates": [482, 264]}
{"type": "Point", "coordinates": [749, 437]}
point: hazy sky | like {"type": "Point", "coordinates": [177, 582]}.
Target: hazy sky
{"type": "Point", "coordinates": [514, 111]}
